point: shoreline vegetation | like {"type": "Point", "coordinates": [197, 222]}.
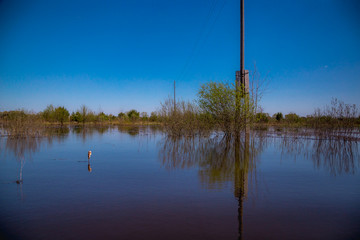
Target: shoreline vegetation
{"type": "Point", "coordinates": [188, 116]}
{"type": "Point", "coordinates": [187, 119]}
{"type": "Point", "coordinates": [220, 107]}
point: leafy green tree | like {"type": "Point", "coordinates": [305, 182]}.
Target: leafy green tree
{"type": "Point", "coordinates": [153, 117]}
{"type": "Point", "coordinates": [262, 117]}
{"type": "Point", "coordinates": [278, 116]}
{"type": "Point", "coordinates": [133, 115]}
{"type": "Point", "coordinates": [144, 116]}
{"type": "Point", "coordinates": [76, 117]}
{"type": "Point", "coordinates": [292, 118]}
{"type": "Point", "coordinates": [49, 113]}
{"type": "Point", "coordinates": [122, 116]}
{"type": "Point", "coordinates": [219, 100]}
{"type": "Point", "coordinates": [61, 114]}
{"type": "Point", "coordinates": [86, 114]}
{"type": "Point", "coordinates": [111, 117]}
{"type": "Point", "coordinates": [102, 117]}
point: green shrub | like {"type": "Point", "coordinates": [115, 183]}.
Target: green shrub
{"type": "Point", "coordinates": [262, 117]}
{"type": "Point", "coordinates": [292, 118]}
{"type": "Point", "coordinates": [278, 116]}
{"type": "Point", "coordinates": [122, 116]}
{"type": "Point", "coordinates": [76, 117]}
{"type": "Point", "coordinates": [154, 117]}
{"type": "Point", "coordinates": [144, 116]}
{"type": "Point", "coordinates": [49, 113]}
{"type": "Point", "coordinates": [133, 115]}
{"type": "Point", "coordinates": [61, 114]}
{"type": "Point", "coordinates": [102, 117]}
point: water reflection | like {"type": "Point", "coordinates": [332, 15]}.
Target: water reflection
{"type": "Point", "coordinates": [139, 130]}
{"type": "Point", "coordinates": [86, 132]}
{"type": "Point", "coordinates": [130, 130]}
{"type": "Point", "coordinates": [220, 160]}
{"type": "Point", "coordinates": [89, 166]}
{"type": "Point", "coordinates": [233, 160]}
{"type": "Point", "coordinates": [335, 152]}
{"type": "Point", "coordinates": [219, 163]}
{"type": "Point", "coordinates": [22, 146]}
{"type": "Point", "coordinates": [58, 133]}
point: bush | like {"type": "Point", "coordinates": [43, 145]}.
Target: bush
{"type": "Point", "coordinates": [61, 114]}
{"type": "Point", "coordinates": [144, 116]}
{"type": "Point", "coordinates": [49, 113]}
{"type": "Point", "coordinates": [20, 124]}
{"type": "Point", "coordinates": [219, 101]}
{"type": "Point", "coordinates": [278, 116]}
{"type": "Point", "coordinates": [262, 117]}
{"type": "Point", "coordinates": [122, 116]}
{"type": "Point", "coordinates": [111, 117]}
{"type": "Point", "coordinates": [84, 114]}
{"type": "Point", "coordinates": [133, 115]}
{"type": "Point", "coordinates": [292, 118]}
{"type": "Point", "coordinates": [76, 117]}
{"type": "Point", "coordinates": [102, 117]}
{"type": "Point", "coordinates": [184, 119]}
{"type": "Point", "coordinates": [230, 108]}
{"type": "Point", "coordinates": [338, 114]}
{"type": "Point", "coordinates": [154, 117]}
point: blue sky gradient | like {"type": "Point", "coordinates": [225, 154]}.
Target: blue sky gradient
{"type": "Point", "coordinates": [117, 55]}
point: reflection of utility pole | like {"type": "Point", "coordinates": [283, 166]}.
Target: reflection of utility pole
{"type": "Point", "coordinates": [242, 163]}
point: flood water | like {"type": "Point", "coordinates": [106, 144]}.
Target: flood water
{"type": "Point", "coordinates": [141, 184]}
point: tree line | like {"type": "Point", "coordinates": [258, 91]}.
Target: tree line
{"type": "Point", "coordinates": [219, 107]}
{"type": "Point", "coordinates": [337, 114]}
{"type": "Point", "coordinates": [214, 109]}
{"type": "Point", "coordinates": [60, 115]}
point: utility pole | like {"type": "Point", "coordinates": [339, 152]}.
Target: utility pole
{"type": "Point", "coordinates": [242, 32]}
{"type": "Point", "coordinates": [242, 76]}
{"type": "Point", "coordinates": [242, 91]}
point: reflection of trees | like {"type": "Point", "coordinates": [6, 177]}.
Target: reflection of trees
{"type": "Point", "coordinates": [131, 130]}
{"type": "Point", "coordinates": [135, 130]}
{"type": "Point", "coordinates": [223, 160]}
{"type": "Point", "coordinates": [337, 156]}
{"type": "Point", "coordinates": [23, 145]}
{"type": "Point", "coordinates": [335, 151]}
{"type": "Point", "coordinates": [220, 160]}
{"type": "Point", "coordinates": [56, 133]}
{"type": "Point", "coordinates": [85, 132]}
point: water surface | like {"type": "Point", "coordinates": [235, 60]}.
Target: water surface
{"type": "Point", "coordinates": [141, 184]}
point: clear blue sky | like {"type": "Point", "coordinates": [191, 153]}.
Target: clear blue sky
{"type": "Point", "coordinates": [117, 55]}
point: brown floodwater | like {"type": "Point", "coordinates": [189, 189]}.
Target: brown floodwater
{"type": "Point", "coordinates": [139, 183]}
